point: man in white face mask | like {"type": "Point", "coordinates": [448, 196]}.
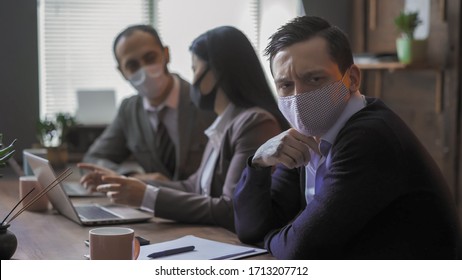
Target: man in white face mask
{"type": "Point", "coordinates": [351, 181]}
{"type": "Point", "coordinates": [160, 127]}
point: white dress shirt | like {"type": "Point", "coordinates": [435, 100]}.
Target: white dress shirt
{"type": "Point", "coordinates": [215, 134]}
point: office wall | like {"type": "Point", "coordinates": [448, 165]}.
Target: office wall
{"type": "Point", "coordinates": [19, 76]}
{"type": "Point", "coordinates": [340, 16]}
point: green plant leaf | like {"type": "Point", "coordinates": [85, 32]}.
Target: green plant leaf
{"type": "Point", "coordinates": [407, 22]}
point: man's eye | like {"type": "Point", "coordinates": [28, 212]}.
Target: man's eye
{"type": "Point", "coordinates": [132, 67]}
{"type": "Point", "coordinates": [316, 80]}
{"type": "Point", "coordinates": [284, 89]}
{"type": "Point", "coordinates": [284, 85]}
{"type": "Point", "coordinates": [150, 60]}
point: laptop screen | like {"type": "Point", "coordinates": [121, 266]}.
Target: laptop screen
{"type": "Point", "coordinates": [95, 107]}
{"type": "Point", "coordinates": [45, 176]}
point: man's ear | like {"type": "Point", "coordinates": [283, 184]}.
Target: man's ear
{"type": "Point", "coordinates": [167, 55]}
{"type": "Point", "coordinates": [355, 78]}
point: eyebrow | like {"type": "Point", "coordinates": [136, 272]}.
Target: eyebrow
{"type": "Point", "coordinates": [305, 74]}
{"type": "Point", "coordinates": [281, 80]}
{"type": "Point", "coordinates": [310, 73]}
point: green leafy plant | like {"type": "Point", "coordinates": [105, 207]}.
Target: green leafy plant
{"type": "Point", "coordinates": [52, 132]}
{"type": "Point", "coordinates": [5, 153]}
{"type": "Point", "coordinates": [407, 22]}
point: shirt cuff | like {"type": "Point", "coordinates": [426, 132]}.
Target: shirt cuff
{"type": "Point", "coordinates": [149, 199]}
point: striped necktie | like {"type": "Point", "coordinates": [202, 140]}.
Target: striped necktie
{"type": "Point", "coordinates": [164, 144]}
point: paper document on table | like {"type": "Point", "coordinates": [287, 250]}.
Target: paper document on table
{"type": "Point", "coordinates": [204, 249]}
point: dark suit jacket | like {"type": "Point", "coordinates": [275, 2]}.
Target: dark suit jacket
{"type": "Point", "coordinates": [131, 134]}
{"type": "Point", "coordinates": [183, 201]}
{"type": "Point", "coordinates": [382, 197]}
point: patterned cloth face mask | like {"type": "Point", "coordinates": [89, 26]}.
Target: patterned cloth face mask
{"type": "Point", "coordinates": [150, 81]}
{"type": "Point", "coordinates": [313, 113]}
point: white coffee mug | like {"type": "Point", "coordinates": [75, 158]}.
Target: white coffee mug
{"type": "Point", "coordinates": [26, 184]}
{"type": "Point", "coordinates": [113, 243]}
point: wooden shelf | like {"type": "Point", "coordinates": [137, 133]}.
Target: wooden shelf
{"type": "Point", "coordinates": [391, 66]}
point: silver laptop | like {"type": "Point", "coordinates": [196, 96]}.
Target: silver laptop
{"type": "Point", "coordinates": [84, 214]}
{"type": "Point", "coordinates": [95, 107]}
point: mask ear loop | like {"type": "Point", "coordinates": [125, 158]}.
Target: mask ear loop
{"type": "Point", "coordinates": [343, 77]}
{"type": "Point", "coordinates": [345, 74]}
{"type": "Point", "coordinates": [199, 80]}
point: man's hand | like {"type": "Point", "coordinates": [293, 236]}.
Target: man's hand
{"type": "Point", "coordinates": [290, 148]}
{"type": "Point", "coordinates": [94, 178]}
{"type": "Point", "coordinates": [123, 190]}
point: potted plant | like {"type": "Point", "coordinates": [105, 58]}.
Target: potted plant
{"type": "Point", "coordinates": [409, 50]}
{"type": "Point", "coordinates": [5, 152]}
{"type": "Point", "coordinates": [52, 135]}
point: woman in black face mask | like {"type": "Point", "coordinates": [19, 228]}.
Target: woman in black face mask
{"type": "Point", "coordinates": [229, 79]}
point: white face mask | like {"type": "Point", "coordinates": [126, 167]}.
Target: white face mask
{"type": "Point", "coordinates": [313, 113]}
{"type": "Point", "coordinates": [150, 81]}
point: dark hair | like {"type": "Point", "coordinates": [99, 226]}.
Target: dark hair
{"type": "Point", "coordinates": [233, 60]}
{"type": "Point", "coordinates": [129, 30]}
{"type": "Point", "coordinates": [307, 27]}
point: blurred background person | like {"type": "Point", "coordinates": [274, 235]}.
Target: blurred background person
{"type": "Point", "coordinates": [159, 129]}
{"type": "Point", "coordinates": [228, 79]}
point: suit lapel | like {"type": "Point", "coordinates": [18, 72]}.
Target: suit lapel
{"type": "Point", "coordinates": [186, 118]}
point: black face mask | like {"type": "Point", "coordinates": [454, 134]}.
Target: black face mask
{"type": "Point", "coordinates": [203, 102]}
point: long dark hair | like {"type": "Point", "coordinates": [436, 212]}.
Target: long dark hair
{"type": "Point", "coordinates": [233, 60]}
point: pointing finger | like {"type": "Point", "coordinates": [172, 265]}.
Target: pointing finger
{"type": "Point", "coordinates": [106, 188]}
{"type": "Point", "coordinates": [88, 166]}
{"type": "Point", "coordinates": [115, 179]}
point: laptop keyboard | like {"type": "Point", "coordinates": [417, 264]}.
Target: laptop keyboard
{"type": "Point", "coordinates": [92, 212]}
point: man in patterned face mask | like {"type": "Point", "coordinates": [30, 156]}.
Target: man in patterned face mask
{"type": "Point", "coordinates": [351, 180]}
{"type": "Point", "coordinates": [159, 127]}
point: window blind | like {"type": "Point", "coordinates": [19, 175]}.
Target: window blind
{"type": "Point", "coordinates": [179, 22]}
{"type": "Point", "coordinates": [75, 39]}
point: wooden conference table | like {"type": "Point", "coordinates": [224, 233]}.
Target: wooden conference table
{"type": "Point", "coordinates": [50, 236]}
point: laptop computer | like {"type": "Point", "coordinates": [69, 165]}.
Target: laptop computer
{"type": "Point", "coordinates": [83, 214]}
{"type": "Point", "coordinates": [95, 107]}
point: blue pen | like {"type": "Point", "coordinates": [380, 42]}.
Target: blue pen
{"type": "Point", "coordinates": [170, 252]}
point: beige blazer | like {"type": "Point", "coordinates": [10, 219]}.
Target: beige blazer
{"type": "Point", "coordinates": [183, 201]}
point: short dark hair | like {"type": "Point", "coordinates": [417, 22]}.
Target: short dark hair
{"type": "Point", "coordinates": [233, 60]}
{"type": "Point", "coordinates": [307, 27]}
{"type": "Point", "coordinates": [129, 30]}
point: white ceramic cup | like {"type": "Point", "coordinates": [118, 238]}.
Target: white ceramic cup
{"type": "Point", "coordinates": [113, 243]}
{"type": "Point", "coordinates": [27, 183]}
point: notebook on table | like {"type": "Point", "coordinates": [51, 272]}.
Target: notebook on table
{"type": "Point", "coordinates": [204, 249]}
{"type": "Point", "coordinates": [84, 214]}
